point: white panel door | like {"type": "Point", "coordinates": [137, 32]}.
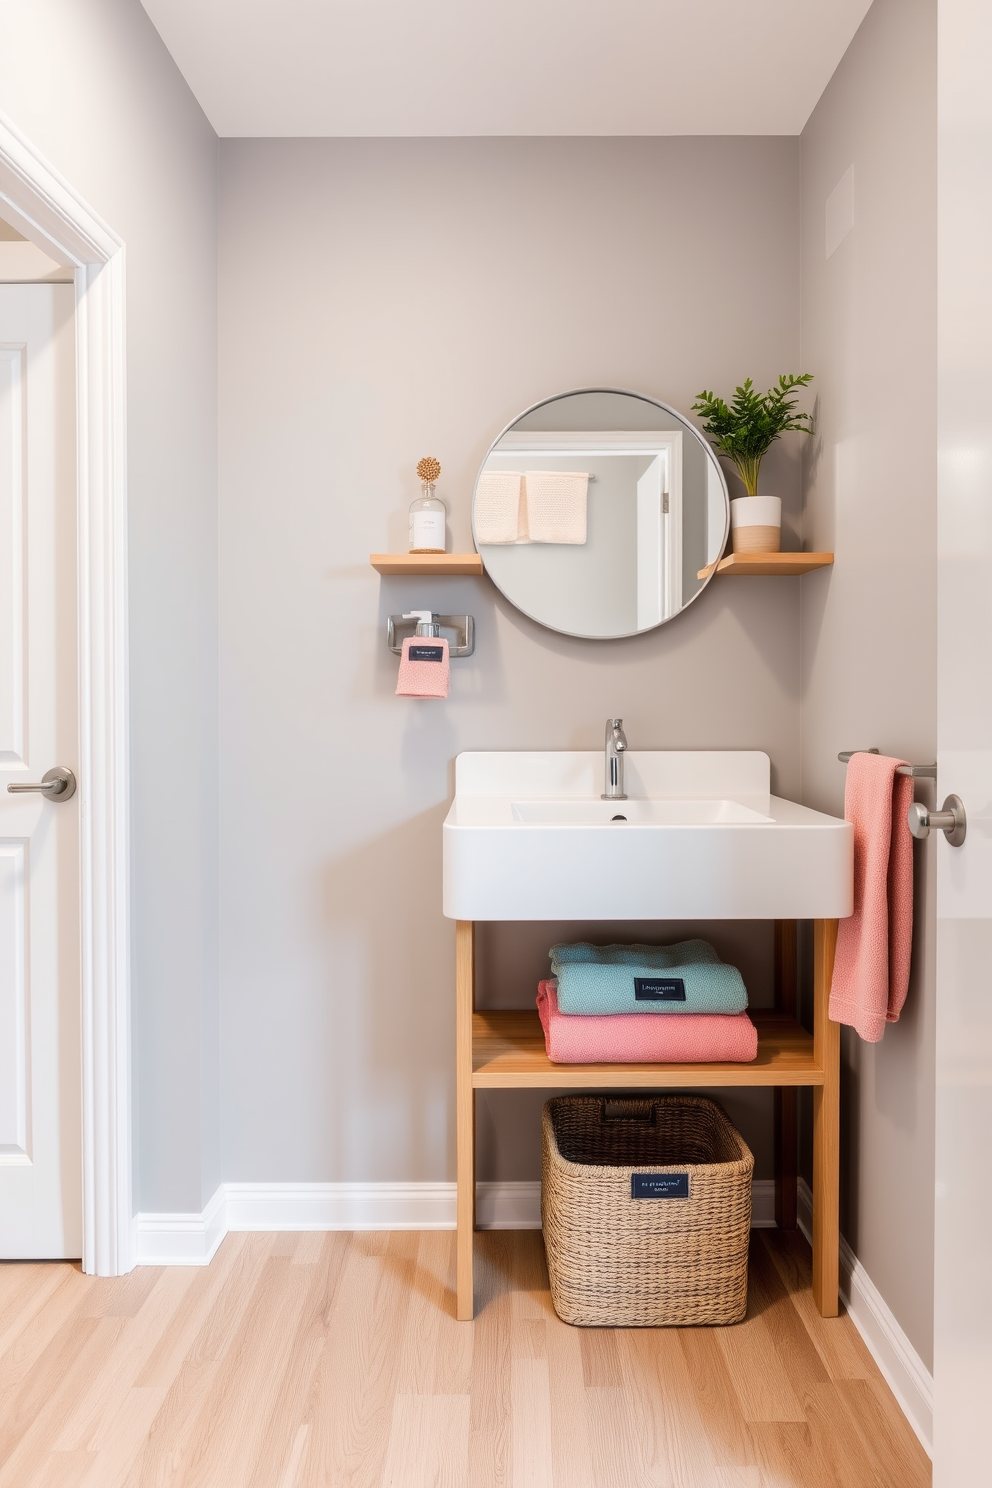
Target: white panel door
{"type": "Point", "coordinates": [40, 1112]}
{"type": "Point", "coordinates": [963, 1252]}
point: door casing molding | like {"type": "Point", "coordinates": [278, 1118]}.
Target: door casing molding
{"type": "Point", "coordinates": [44, 207]}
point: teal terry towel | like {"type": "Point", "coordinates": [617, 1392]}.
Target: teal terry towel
{"type": "Point", "coordinates": [685, 978]}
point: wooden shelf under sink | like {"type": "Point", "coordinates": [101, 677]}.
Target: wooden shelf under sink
{"type": "Point", "coordinates": [422, 564]}
{"type": "Point", "coordinates": [508, 1054]}
{"type": "Point", "coordinates": [497, 1049]}
{"type": "Point", "coordinates": [765, 565]}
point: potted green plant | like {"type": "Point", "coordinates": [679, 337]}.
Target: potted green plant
{"type": "Point", "coordinates": [745, 430]}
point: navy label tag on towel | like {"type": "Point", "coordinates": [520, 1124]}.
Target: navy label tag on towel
{"type": "Point", "coordinates": [659, 1185]}
{"type": "Point", "coordinates": [659, 989]}
{"type": "Point", "coordinates": [426, 653]}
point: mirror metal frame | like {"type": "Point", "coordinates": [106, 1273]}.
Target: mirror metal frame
{"type": "Point", "coordinates": [644, 398]}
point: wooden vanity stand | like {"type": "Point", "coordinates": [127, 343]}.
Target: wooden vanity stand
{"type": "Point", "coordinates": [500, 1050]}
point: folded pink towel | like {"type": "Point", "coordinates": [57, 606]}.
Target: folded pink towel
{"type": "Point", "coordinates": [630, 1038]}
{"type": "Point", "coordinates": [871, 967]}
{"type": "Point", "coordinates": [425, 668]}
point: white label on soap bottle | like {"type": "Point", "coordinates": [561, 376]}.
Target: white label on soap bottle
{"type": "Point", "coordinates": [426, 530]}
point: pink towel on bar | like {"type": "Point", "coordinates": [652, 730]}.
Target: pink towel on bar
{"type": "Point", "coordinates": [630, 1038]}
{"type": "Point", "coordinates": [425, 669]}
{"type": "Point", "coordinates": [871, 967]}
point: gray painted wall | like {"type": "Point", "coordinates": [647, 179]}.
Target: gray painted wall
{"type": "Point", "coordinates": [418, 313]}
{"type": "Point", "coordinates": [93, 87]}
{"type": "Point", "coordinates": [869, 624]}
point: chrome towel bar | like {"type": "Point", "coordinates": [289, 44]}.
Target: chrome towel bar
{"type": "Point", "coordinates": [950, 819]}
{"type": "Point", "coordinates": [918, 772]}
{"type": "Point", "coordinates": [457, 630]}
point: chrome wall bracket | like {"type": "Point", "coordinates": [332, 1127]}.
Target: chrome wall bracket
{"type": "Point", "coordinates": [457, 630]}
{"type": "Point", "coordinates": [950, 819]}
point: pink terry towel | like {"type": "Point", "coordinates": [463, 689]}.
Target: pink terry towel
{"type": "Point", "coordinates": [425, 669]}
{"type": "Point", "coordinates": [871, 967]}
{"type": "Point", "coordinates": [630, 1038]}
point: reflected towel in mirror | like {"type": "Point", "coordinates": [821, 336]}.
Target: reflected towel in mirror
{"type": "Point", "coordinates": [556, 505]}
{"type": "Point", "coordinates": [500, 513]}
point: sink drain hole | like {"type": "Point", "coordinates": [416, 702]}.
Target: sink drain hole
{"type": "Point", "coordinates": [618, 818]}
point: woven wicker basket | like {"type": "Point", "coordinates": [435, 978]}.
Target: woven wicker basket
{"type": "Point", "coordinates": [623, 1262]}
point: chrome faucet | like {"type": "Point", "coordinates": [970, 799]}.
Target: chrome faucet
{"type": "Point", "coordinates": [616, 745]}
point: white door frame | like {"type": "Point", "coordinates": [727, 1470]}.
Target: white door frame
{"type": "Point", "coordinates": [36, 200]}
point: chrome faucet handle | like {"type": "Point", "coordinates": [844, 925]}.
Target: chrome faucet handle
{"type": "Point", "coordinates": [615, 736]}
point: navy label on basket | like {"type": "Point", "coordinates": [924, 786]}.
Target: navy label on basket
{"type": "Point", "coordinates": [659, 1185]}
{"type": "Point", "coordinates": [426, 653]}
{"type": "Point", "coordinates": [659, 989]}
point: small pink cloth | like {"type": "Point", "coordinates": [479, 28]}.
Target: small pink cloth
{"type": "Point", "coordinates": [425, 668]}
{"type": "Point", "coordinates": [871, 967]}
{"type": "Point", "coordinates": [630, 1038]}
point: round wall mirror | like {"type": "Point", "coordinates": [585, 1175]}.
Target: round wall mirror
{"type": "Point", "coordinates": [599, 513]}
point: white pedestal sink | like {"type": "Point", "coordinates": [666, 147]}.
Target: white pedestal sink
{"type": "Point", "coordinates": [699, 837]}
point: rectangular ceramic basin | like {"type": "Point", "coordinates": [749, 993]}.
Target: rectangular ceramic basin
{"type": "Point", "coordinates": [633, 813]}
{"type": "Point", "coordinates": [529, 838]}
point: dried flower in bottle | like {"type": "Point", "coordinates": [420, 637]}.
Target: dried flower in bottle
{"type": "Point", "coordinates": [429, 469]}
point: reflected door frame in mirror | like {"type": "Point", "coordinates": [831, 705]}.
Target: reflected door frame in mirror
{"type": "Point", "coordinates": [659, 502]}
{"type": "Point", "coordinates": [655, 501]}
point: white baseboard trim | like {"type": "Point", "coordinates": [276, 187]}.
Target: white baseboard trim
{"type": "Point", "coordinates": [763, 1204]}
{"type": "Point", "coordinates": [508, 1206]}
{"type": "Point", "coordinates": [905, 1372]}
{"type": "Point", "coordinates": [340, 1206]}
{"type": "Point", "coordinates": [180, 1239]}
{"type": "Point", "coordinates": [192, 1239]}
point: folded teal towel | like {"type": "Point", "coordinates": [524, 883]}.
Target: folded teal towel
{"type": "Point", "coordinates": [685, 978]}
{"type": "Point", "coordinates": [683, 953]}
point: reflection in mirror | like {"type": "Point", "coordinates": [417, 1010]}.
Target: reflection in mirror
{"type": "Point", "coordinates": [595, 511]}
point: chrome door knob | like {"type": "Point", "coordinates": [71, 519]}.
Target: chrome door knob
{"type": "Point", "coordinates": [57, 784]}
{"type": "Point", "coordinates": [950, 819]}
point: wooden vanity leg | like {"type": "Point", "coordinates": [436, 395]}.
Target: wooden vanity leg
{"type": "Point", "coordinates": [786, 1096]}
{"type": "Point", "coordinates": [826, 1125]}
{"type": "Point", "coordinates": [464, 1118]}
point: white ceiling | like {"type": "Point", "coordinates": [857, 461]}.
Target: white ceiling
{"type": "Point", "coordinates": [525, 67]}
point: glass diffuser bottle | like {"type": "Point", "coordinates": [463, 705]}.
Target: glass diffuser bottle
{"type": "Point", "coordinates": [427, 512]}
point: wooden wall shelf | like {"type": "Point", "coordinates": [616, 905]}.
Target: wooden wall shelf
{"type": "Point", "coordinates": [758, 565]}
{"type": "Point", "coordinates": [422, 564]}
{"type": "Point", "coordinates": [765, 565]}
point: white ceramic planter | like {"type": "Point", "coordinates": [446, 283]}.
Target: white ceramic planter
{"type": "Point", "coordinates": [756, 524]}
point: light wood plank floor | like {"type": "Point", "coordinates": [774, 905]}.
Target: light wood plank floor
{"type": "Point", "coordinates": [313, 1359]}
